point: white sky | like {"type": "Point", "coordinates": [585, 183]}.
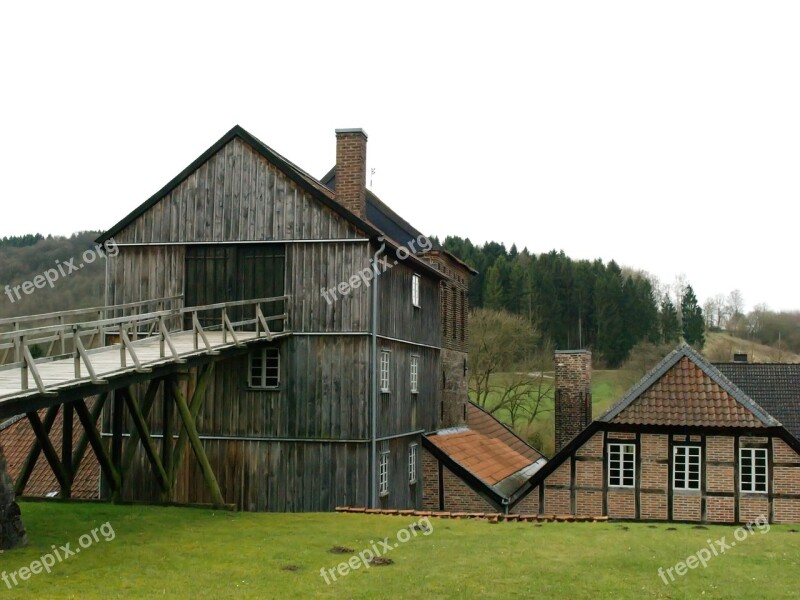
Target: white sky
{"type": "Point", "coordinates": [663, 135]}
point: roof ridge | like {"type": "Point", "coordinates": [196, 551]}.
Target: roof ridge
{"type": "Point", "coordinates": [669, 361]}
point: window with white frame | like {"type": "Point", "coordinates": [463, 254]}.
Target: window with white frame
{"type": "Point", "coordinates": [686, 467]}
{"type": "Point", "coordinates": [415, 374]}
{"type": "Point", "coordinates": [385, 357]}
{"type": "Point", "coordinates": [753, 470]}
{"type": "Point", "coordinates": [415, 290]}
{"type": "Point", "coordinates": [383, 470]}
{"type": "Point", "coordinates": [265, 368]}
{"type": "Point", "coordinates": [412, 464]}
{"type": "Point", "coordinates": [621, 465]}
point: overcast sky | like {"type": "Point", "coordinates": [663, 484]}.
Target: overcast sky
{"type": "Point", "coordinates": [663, 135]}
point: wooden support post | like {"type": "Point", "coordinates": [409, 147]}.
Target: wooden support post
{"type": "Point", "coordinates": [195, 404]}
{"type": "Point", "coordinates": [147, 442]}
{"type": "Point", "coordinates": [66, 447]}
{"type": "Point", "coordinates": [117, 421]}
{"type": "Point", "coordinates": [83, 442]}
{"type": "Point", "coordinates": [97, 445]}
{"type": "Point", "coordinates": [197, 445]}
{"type": "Point", "coordinates": [167, 442]}
{"type": "Point", "coordinates": [47, 448]}
{"type": "Point", "coordinates": [133, 439]}
{"type": "Point", "coordinates": [33, 453]}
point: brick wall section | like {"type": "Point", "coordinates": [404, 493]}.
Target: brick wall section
{"type": "Point", "coordinates": [720, 478]}
{"type": "Point", "coordinates": [719, 448]}
{"type": "Point", "coordinates": [621, 504]}
{"type": "Point", "coordinates": [529, 505]}
{"type": "Point", "coordinates": [588, 503]}
{"type": "Point", "coordinates": [653, 506]}
{"type": "Point", "coordinates": [557, 502]}
{"type": "Point", "coordinates": [752, 507]}
{"type": "Point", "coordinates": [455, 393]}
{"type": "Point", "coordinates": [573, 380]}
{"type": "Point", "coordinates": [351, 170]}
{"type": "Point", "coordinates": [459, 497]}
{"type": "Point", "coordinates": [561, 476]}
{"type": "Point", "coordinates": [430, 481]}
{"type": "Point", "coordinates": [786, 511]}
{"type": "Point", "coordinates": [782, 453]}
{"type": "Point", "coordinates": [588, 473]}
{"type": "Point", "coordinates": [720, 510]}
{"type": "Point", "coordinates": [655, 474]}
{"type": "Point", "coordinates": [593, 448]}
{"type": "Point", "coordinates": [686, 507]}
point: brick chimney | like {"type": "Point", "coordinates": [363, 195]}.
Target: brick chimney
{"type": "Point", "coordinates": [573, 394]}
{"type": "Point", "coordinates": [351, 170]}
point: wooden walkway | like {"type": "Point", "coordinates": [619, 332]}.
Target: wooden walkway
{"type": "Point", "coordinates": [129, 344]}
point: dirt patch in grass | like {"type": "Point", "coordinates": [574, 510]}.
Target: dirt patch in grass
{"type": "Point", "coordinates": [381, 561]}
{"type": "Point", "coordinates": [341, 550]}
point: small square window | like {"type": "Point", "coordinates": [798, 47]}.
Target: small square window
{"type": "Point", "coordinates": [415, 290]}
{"type": "Point", "coordinates": [412, 464]}
{"type": "Point", "coordinates": [753, 470]}
{"type": "Point", "coordinates": [415, 374]}
{"type": "Point", "coordinates": [384, 371]}
{"type": "Point", "coordinates": [265, 368]}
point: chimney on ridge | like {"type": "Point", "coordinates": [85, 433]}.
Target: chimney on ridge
{"type": "Point", "coordinates": [351, 170]}
{"type": "Point", "coordinates": [573, 400]}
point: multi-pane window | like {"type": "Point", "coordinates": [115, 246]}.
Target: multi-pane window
{"type": "Point", "coordinates": [415, 290]}
{"type": "Point", "coordinates": [384, 371]}
{"type": "Point", "coordinates": [686, 467]}
{"type": "Point", "coordinates": [753, 470]}
{"type": "Point", "coordinates": [414, 374]}
{"type": "Point", "coordinates": [412, 464]}
{"type": "Point", "coordinates": [265, 367]}
{"type": "Point", "coordinates": [383, 469]}
{"type": "Point", "coordinates": [621, 465]}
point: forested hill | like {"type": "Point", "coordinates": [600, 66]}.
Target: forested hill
{"type": "Point", "coordinates": [23, 258]}
{"type": "Point", "coordinates": [578, 303]}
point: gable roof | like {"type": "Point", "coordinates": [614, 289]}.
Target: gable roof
{"type": "Point", "coordinates": [685, 389]}
{"type": "Point", "coordinates": [483, 422]}
{"type": "Point", "coordinates": [391, 223]}
{"type": "Point", "coordinates": [295, 173]}
{"type": "Point", "coordinates": [775, 386]}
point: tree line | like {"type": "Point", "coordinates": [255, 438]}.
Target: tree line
{"type": "Point", "coordinates": [580, 303]}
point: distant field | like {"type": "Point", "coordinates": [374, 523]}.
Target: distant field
{"type": "Point", "coordinates": [721, 346]}
{"type": "Point", "coordinates": [187, 553]}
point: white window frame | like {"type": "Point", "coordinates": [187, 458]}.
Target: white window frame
{"type": "Point", "coordinates": [264, 355]}
{"type": "Point", "coordinates": [414, 373]}
{"type": "Point", "coordinates": [415, 282]}
{"type": "Point", "coordinates": [622, 456]}
{"type": "Point", "coordinates": [684, 456]}
{"type": "Point", "coordinates": [383, 470]}
{"type": "Point", "coordinates": [385, 371]}
{"type": "Point", "coordinates": [412, 463]}
{"type": "Point", "coordinates": [753, 487]}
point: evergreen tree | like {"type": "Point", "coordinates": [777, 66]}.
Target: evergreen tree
{"type": "Point", "coordinates": [669, 322]}
{"type": "Point", "coordinates": [693, 322]}
{"type": "Point", "coordinates": [493, 293]}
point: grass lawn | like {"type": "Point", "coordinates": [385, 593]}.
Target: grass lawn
{"type": "Point", "coordinates": [192, 553]}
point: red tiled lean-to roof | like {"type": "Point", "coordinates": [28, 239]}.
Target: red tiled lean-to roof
{"type": "Point", "coordinates": [490, 460]}
{"type": "Point", "coordinates": [17, 438]}
{"type": "Point", "coordinates": [483, 422]}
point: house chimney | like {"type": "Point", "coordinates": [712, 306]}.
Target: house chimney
{"type": "Point", "coordinates": [573, 400]}
{"type": "Point", "coordinates": [351, 170]}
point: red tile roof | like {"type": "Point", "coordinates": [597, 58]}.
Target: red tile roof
{"type": "Point", "coordinates": [490, 460]}
{"type": "Point", "coordinates": [483, 422]}
{"type": "Point", "coordinates": [17, 440]}
{"type": "Point", "coordinates": [686, 395]}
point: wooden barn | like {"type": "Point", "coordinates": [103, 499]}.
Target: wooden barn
{"type": "Point", "coordinates": [334, 413]}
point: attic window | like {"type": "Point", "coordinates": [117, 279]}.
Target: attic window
{"type": "Point", "coordinates": [621, 465]}
{"type": "Point", "coordinates": [415, 291]}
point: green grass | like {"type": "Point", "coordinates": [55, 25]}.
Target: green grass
{"type": "Point", "coordinates": [191, 553]}
{"type": "Point", "coordinates": [608, 386]}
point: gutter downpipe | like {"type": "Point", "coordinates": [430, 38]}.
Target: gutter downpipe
{"type": "Point", "coordinates": [373, 368]}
